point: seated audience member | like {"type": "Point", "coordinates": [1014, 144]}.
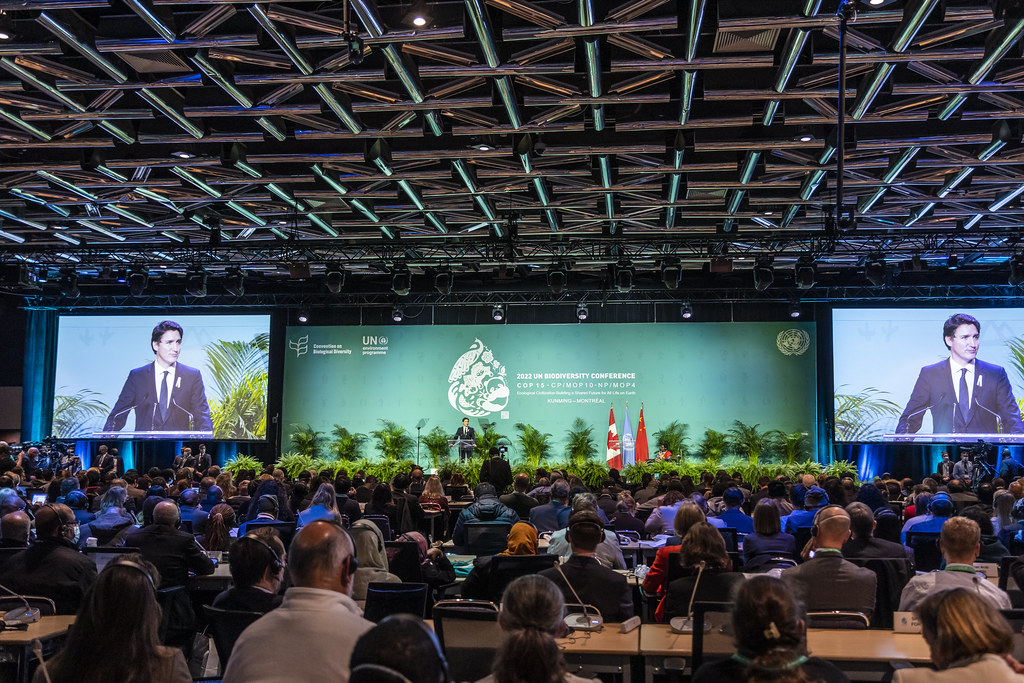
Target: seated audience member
{"type": "Point", "coordinates": [595, 584]}
{"type": "Point", "coordinates": [814, 499]}
{"type": "Point", "coordinates": [715, 582]}
{"type": "Point", "coordinates": [347, 505]}
{"type": "Point", "coordinates": [214, 496]}
{"type": "Point", "coordinates": [191, 511]}
{"type": "Point", "coordinates": [991, 549]}
{"type": "Point", "coordinates": [733, 515]}
{"type": "Point", "coordinates": [1002, 509]}
{"type": "Point", "coordinates": [267, 508]}
{"type": "Point", "coordinates": [417, 482]}
{"type": "Point", "coordinates": [382, 502]}
{"type": "Point", "coordinates": [968, 639]}
{"type": "Point", "coordinates": [863, 543]}
{"type": "Point", "coordinates": [554, 514]}
{"type": "Point", "coordinates": [457, 487]}
{"type": "Point", "coordinates": [324, 505]}
{"type": "Point", "coordinates": [120, 607]}
{"type": "Point", "coordinates": [435, 567]}
{"type": "Point", "coordinates": [656, 581]}
{"type": "Point", "coordinates": [257, 570]}
{"type": "Point", "coordinates": [433, 494]}
{"type": "Point", "coordinates": [608, 551]}
{"type": "Point", "coordinates": [218, 528]}
{"type": "Point", "coordinates": [275, 489]}
{"type": "Point", "coordinates": [400, 649]}
{"type": "Point", "coordinates": [531, 616]}
{"type": "Point", "coordinates": [481, 584]}
{"type": "Point", "coordinates": [960, 542]}
{"type": "Point", "coordinates": [648, 489]}
{"type": "Point", "coordinates": [112, 522]}
{"type": "Point", "coordinates": [767, 540]}
{"type": "Point", "coordinates": [172, 551]}
{"type": "Point", "coordinates": [827, 582]}
{"type": "Point", "coordinates": [52, 567]}
{"type": "Point", "coordinates": [14, 528]}
{"type": "Point", "coordinates": [317, 619]}
{"type": "Point", "coordinates": [770, 636]}
{"type": "Point", "coordinates": [79, 504]}
{"type": "Point", "coordinates": [518, 501]}
{"type": "Point", "coordinates": [624, 518]}
{"type": "Point", "coordinates": [372, 557]}
{"type": "Point", "coordinates": [486, 508]}
{"type": "Point", "coordinates": [662, 516]}
{"type": "Point", "coordinates": [407, 503]}
{"type": "Point", "coordinates": [939, 509]}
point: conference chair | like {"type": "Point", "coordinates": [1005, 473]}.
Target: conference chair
{"type": "Point", "coordinates": [470, 636]}
{"type": "Point", "coordinates": [892, 575]}
{"type": "Point", "coordinates": [715, 642]}
{"type": "Point", "coordinates": [504, 569]}
{"type": "Point", "coordinates": [384, 599]}
{"type": "Point", "coordinates": [404, 560]}
{"type": "Point", "coordinates": [802, 534]}
{"type": "Point", "coordinates": [925, 545]}
{"type": "Point", "coordinates": [731, 538]}
{"type": "Point", "coordinates": [383, 523]}
{"type": "Point", "coordinates": [286, 530]}
{"type": "Point", "coordinates": [838, 619]}
{"type": "Point", "coordinates": [44, 605]}
{"type": "Point", "coordinates": [226, 626]}
{"type": "Point", "coordinates": [486, 538]}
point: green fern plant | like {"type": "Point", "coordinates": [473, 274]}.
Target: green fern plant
{"type": "Point", "coordinates": [534, 445]}
{"type": "Point", "coordinates": [436, 443]}
{"type": "Point", "coordinates": [713, 446]}
{"type": "Point", "coordinates": [579, 443]}
{"type": "Point", "coordinates": [487, 438]}
{"type": "Point", "coordinates": [750, 441]}
{"type": "Point", "coordinates": [295, 463]}
{"type": "Point", "coordinates": [857, 416]}
{"type": "Point", "coordinates": [674, 436]}
{"type": "Point", "coordinates": [792, 446]}
{"type": "Point", "coordinates": [393, 441]}
{"type": "Point", "coordinates": [239, 382]}
{"type": "Point", "coordinates": [307, 441]}
{"type": "Point", "coordinates": [77, 414]}
{"type": "Point", "coordinates": [242, 463]}
{"type": "Point", "coordinates": [346, 445]}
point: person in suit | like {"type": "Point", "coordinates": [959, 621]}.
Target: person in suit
{"type": "Point", "coordinates": [257, 571]}
{"type": "Point", "coordinates": [467, 439]}
{"type": "Point", "coordinates": [174, 552]}
{"type": "Point", "coordinates": [107, 462]}
{"type": "Point", "coordinates": [987, 407]}
{"type": "Point", "coordinates": [496, 471]}
{"type": "Point", "coordinates": [555, 514]}
{"type": "Point", "coordinates": [518, 500]}
{"type": "Point", "coordinates": [827, 581]}
{"type": "Point", "coordinates": [594, 583]}
{"type": "Point", "coordinates": [167, 396]}
{"type": "Point", "coordinates": [945, 468]}
{"type": "Point", "coordinates": [203, 459]}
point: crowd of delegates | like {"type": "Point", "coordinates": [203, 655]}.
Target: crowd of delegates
{"type": "Point", "coordinates": [816, 534]}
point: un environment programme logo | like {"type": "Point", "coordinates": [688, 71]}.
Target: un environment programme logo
{"type": "Point", "coordinates": [300, 346]}
{"type": "Point", "coordinates": [476, 384]}
{"type": "Point", "coordinates": [793, 342]}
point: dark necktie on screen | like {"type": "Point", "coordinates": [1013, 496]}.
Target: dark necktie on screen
{"type": "Point", "coordinates": [164, 403]}
{"type": "Point", "coordinates": [965, 396]}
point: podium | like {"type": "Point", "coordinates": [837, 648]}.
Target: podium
{"type": "Point", "coordinates": [466, 447]}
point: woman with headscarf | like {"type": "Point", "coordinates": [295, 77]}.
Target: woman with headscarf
{"type": "Point", "coordinates": [372, 557]}
{"type": "Point", "coordinates": [522, 540]}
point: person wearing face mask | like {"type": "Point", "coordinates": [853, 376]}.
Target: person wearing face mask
{"type": "Point", "coordinates": [52, 567]}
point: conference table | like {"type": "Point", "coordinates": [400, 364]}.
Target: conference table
{"type": "Point", "coordinates": [16, 646]}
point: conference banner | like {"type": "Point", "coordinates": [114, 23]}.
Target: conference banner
{"type": "Point", "coordinates": [705, 375]}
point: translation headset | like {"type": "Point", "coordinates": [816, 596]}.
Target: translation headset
{"type": "Point", "coordinates": [64, 524]}
{"type": "Point", "coordinates": [278, 562]}
{"type": "Point", "coordinates": [382, 673]}
{"type": "Point", "coordinates": [137, 567]}
{"type": "Point", "coordinates": [273, 499]}
{"type": "Point", "coordinates": [817, 515]}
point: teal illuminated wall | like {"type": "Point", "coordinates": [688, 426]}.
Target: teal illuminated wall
{"type": "Point", "coordinates": [703, 374]}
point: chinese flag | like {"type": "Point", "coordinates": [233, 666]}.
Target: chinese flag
{"type": "Point", "coordinates": [614, 454]}
{"type": "Point", "coordinates": [641, 438]}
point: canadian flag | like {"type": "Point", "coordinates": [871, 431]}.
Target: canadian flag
{"type": "Point", "coordinates": [614, 454]}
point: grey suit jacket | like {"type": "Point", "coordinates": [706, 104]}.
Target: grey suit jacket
{"type": "Point", "coordinates": [828, 582]}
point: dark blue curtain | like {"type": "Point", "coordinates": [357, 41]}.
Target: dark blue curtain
{"type": "Point", "coordinates": [40, 360]}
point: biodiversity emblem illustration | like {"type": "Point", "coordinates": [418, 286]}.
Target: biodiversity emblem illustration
{"type": "Point", "coordinates": [476, 384]}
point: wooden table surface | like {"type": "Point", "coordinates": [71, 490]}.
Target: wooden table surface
{"type": "Point", "coordinates": [44, 628]}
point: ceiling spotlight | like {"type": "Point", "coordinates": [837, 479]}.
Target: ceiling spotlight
{"type": "Point", "coordinates": [686, 310]}
{"type": "Point", "coordinates": [137, 281]}
{"type": "Point", "coordinates": [804, 134]}
{"type": "Point", "coordinates": [69, 284]}
{"type": "Point", "coordinates": [234, 283]}
{"type": "Point", "coordinates": [624, 277]}
{"type": "Point", "coordinates": [181, 154]}
{"type": "Point", "coordinates": [556, 280]}
{"type": "Point", "coordinates": [953, 262]}
{"type": "Point", "coordinates": [1016, 271]}
{"type": "Point", "coordinates": [401, 282]}
{"type": "Point", "coordinates": [498, 312]}
{"type": "Point", "coordinates": [764, 276]}
{"type": "Point", "coordinates": [803, 273]}
{"type": "Point", "coordinates": [6, 27]}
{"type": "Point", "coordinates": [582, 311]}
{"type": "Point", "coordinates": [303, 316]}
{"type": "Point", "coordinates": [335, 279]}
{"type": "Point", "coordinates": [397, 313]}
{"type": "Point", "coordinates": [671, 275]}
{"type": "Point", "coordinates": [419, 15]}
{"type": "Point", "coordinates": [443, 282]}
{"type": "Point", "coordinates": [794, 309]}
{"type": "Point", "coordinates": [874, 271]}
{"type": "Point", "coordinates": [195, 283]}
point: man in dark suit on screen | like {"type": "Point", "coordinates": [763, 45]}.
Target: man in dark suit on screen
{"type": "Point", "coordinates": [963, 394]}
{"type": "Point", "coordinates": [166, 395]}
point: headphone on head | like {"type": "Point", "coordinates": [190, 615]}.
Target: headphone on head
{"type": "Point", "coordinates": [278, 563]}
{"type": "Point", "coordinates": [64, 524]}
{"type": "Point", "coordinates": [814, 526]}
{"type": "Point", "coordinates": [381, 673]}
{"type": "Point", "coordinates": [271, 497]}
{"type": "Point", "coordinates": [137, 567]}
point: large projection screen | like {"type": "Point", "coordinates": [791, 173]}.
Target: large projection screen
{"type": "Point", "coordinates": [705, 375]}
{"type": "Point", "coordinates": [881, 355]}
{"type": "Point", "coordinates": [223, 359]}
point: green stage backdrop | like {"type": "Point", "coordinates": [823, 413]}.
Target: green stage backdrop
{"type": "Point", "coordinates": [702, 374]}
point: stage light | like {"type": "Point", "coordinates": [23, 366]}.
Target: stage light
{"type": "Point", "coordinates": [335, 279]}
{"type": "Point", "coordinates": [6, 26]}
{"type": "Point", "coordinates": [556, 280]}
{"type": "Point", "coordinates": [419, 14]}
{"type": "Point", "coordinates": [764, 276]}
{"type": "Point", "coordinates": [624, 277]}
{"type": "Point", "coordinates": [401, 282]}
{"type": "Point", "coordinates": [137, 281]}
{"type": "Point", "coordinates": [397, 314]}
{"type": "Point", "coordinates": [874, 271]}
{"type": "Point", "coordinates": [234, 283]}
{"type": "Point", "coordinates": [195, 283]}
{"type": "Point", "coordinates": [804, 275]}
{"type": "Point", "coordinates": [443, 282]}
{"type": "Point", "coordinates": [1016, 271]}
{"type": "Point", "coordinates": [794, 309]}
{"type": "Point", "coordinates": [582, 311]}
{"type": "Point", "coordinates": [953, 262]}
{"type": "Point", "coordinates": [498, 312]}
{"type": "Point", "coordinates": [69, 284]}
{"type": "Point", "coordinates": [303, 316]}
{"type": "Point", "coordinates": [671, 275]}
{"type": "Point", "coordinates": [686, 310]}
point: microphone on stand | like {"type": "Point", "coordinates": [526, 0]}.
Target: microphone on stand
{"type": "Point", "coordinates": [999, 419]}
{"type": "Point", "coordinates": [19, 615]}
{"type": "Point", "coordinates": [579, 622]}
{"type": "Point", "coordinates": [191, 417]}
{"type": "Point", "coordinates": [914, 414]}
{"type": "Point", "coordinates": [685, 624]}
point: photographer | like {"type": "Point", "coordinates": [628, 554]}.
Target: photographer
{"type": "Point", "coordinates": [496, 471]}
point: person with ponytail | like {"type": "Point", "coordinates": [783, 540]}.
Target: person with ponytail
{"type": "Point", "coordinates": [531, 614]}
{"type": "Point", "coordinates": [218, 527]}
{"type": "Point", "coordinates": [770, 637]}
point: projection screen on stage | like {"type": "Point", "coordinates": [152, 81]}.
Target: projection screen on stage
{"type": "Point", "coordinates": [893, 381]}
{"type": "Point", "coordinates": [704, 375]}
{"type": "Point", "coordinates": [105, 386]}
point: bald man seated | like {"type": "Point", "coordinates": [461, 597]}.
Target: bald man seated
{"type": "Point", "coordinates": [310, 637]}
{"type": "Point", "coordinates": [174, 552]}
{"type": "Point", "coordinates": [826, 582]}
{"type": "Point", "coordinates": [14, 528]}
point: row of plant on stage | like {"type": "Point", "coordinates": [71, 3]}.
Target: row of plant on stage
{"type": "Point", "coordinates": [745, 448]}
